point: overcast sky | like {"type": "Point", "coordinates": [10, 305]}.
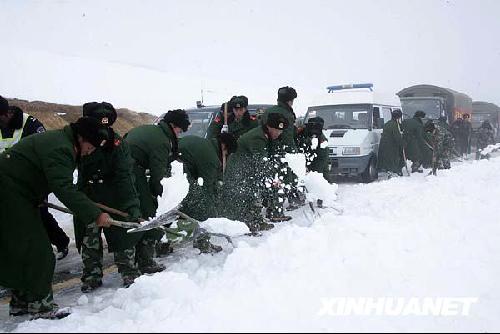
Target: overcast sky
{"type": "Point", "coordinates": [158, 55]}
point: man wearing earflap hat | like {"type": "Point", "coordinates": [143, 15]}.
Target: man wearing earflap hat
{"type": "Point", "coordinates": [29, 171]}
{"type": "Point", "coordinates": [390, 152]}
{"type": "Point", "coordinates": [313, 143]}
{"type": "Point", "coordinates": [153, 148]}
{"type": "Point", "coordinates": [250, 175]}
{"type": "Point", "coordinates": [239, 119]}
{"type": "Point", "coordinates": [415, 144]}
{"type": "Point", "coordinates": [106, 177]}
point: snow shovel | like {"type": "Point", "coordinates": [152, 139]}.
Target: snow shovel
{"type": "Point", "coordinates": [117, 223]}
{"type": "Point", "coordinates": [164, 219]}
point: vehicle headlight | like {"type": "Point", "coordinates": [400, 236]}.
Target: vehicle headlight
{"type": "Point", "coordinates": [351, 151]}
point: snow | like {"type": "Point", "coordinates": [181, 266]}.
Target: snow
{"type": "Point", "coordinates": [419, 236]}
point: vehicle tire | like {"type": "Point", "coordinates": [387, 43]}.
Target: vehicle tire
{"type": "Point", "coordinates": [370, 174]}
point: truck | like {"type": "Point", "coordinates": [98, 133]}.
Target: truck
{"type": "Point", "coordinates": [354, 117]}
{"type": "Point", "coordinates": [485, 111]}
{"type": "Point", "coordinates": [435, 101]}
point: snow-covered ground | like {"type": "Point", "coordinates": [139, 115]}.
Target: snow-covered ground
{"type": "Point", "coordinates": [418, 236]}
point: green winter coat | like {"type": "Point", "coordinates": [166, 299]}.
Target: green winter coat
{"type": "Point", "coordinates": [236, 128]}
{"type": "Point", "coordinates": [247, 172]}
{"type": "Point", "coordinates": [106, 177]}
{"type": "Point", "coordinates": [153, 148]}
{"type": "Point", "coordinates": [413, 136]}
{"type": "Point", "coordinates": [317, 158]}
{"type": "Point", "coordinates": [390, 152]}
{"type": "Point", "coordinates": [38, 165]}
{"type": "Point", "coordinates": [202, 163]}
{"type": "Point", "coordinates": [287, 139]}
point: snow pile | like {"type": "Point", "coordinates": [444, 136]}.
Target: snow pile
{"type": "Point", "coordinates": [225, 226]}
{"type": "Point", "coordinates": [406, 237]}
{"type": "Point", "coordinates": [490, 149]}
{"type": "Point", "coordinates": [175, 188]}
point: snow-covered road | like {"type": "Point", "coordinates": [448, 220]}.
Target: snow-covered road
{"type": "Point", "coordinates": [408, 237]}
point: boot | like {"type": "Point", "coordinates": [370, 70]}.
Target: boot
{"type": "Point", "coordinates": [128, 281]}
{"type": "Point", "coordinates": [205, 246]}
{"type": "Point", "coordinates": [55, 314]}
{"type": "Point", "coordinates": [153, 268]}
{"type": "Point", "coordinates": [90, 285]}
{"type": "Point", "coordinates": [164, 249]}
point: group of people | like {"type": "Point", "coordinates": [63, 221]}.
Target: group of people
{"type": "Point", "coordinates": [237, 172]}
{"type": "Point", "coordinates": [427, 145]}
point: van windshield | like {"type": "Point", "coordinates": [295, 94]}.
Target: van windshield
{"type": "Point", "coordinates": [199, 123]}
{"type": "Point", "coordinates": [352, 116]}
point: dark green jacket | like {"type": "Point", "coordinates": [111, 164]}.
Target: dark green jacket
{"type": "Point", "coordinates": [390, 152]}
{"type": "Point", "coordinates": [317, 158]}
{"type": "Point", "coordinates": [246, 174]}
{"type": "Point", "coordinates": [153, 148]}
{"type": "Point", "coordinates": [413, 136]}
{"type": "Point", "coordinates": [201, 161]}
{"type": "Point", "coordinates": [287, 139]}
{"type": "Point", "coordinates": [106, 177]}
{"type": "Point", "coordinates": [236, 128]}
{"type": "Point", "coordinates": [29, 171]}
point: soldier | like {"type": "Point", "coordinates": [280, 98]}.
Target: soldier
{"type": "Point", "coordinates": [485, 137]}
{"type": "Point", "coordinates": [203, 164]}
{"type": "Point", "coordinates": [106, 177]}
{"type": "Point", "coordinates": [287, 142]}
{"type": "Point", "coordinates": [313, 143]}
{"type": "Point", "coordinates": [462, 130]}
{"type": "Point", "coordinates": [448, 142]}
{"type": "Point", "coordinates": [15, 125]}
{"type": "Point", "coordinates": [239, 119]}
{"type": "Point", "coordinates": [390, 152]}
{"type": "Point", "coordinates": [29, 171]}
{"type": "Point", "coordinates": [251, 173]}
{"type": "Point", "coordinates": [413, 136]}
{"type": "Point", "coordinates": [153, 148]}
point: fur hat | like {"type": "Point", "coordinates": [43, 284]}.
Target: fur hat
{"type": "Point", "coordinates": [91, 130]}
{"type": "Point", "coordinates": [178, 117]}
{"type": "Point", "coordinates": [286, 94]}
{"type": "Point", "coordinates": [104, 112]}
{"type": "Point", "coordinates": [277, 121]}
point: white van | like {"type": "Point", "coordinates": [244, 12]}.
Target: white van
{"type": "Point", "coordinates": [353, 126]}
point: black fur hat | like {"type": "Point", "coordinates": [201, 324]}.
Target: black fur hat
{"type": "Point", "coordinates": [286, 94]}
{"type": "Point", "coordinates": [104, 112]}
{"type": "Point", "coordinates": [178, 117]}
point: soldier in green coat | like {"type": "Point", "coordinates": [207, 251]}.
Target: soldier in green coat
{"type": "Point", "coordinates": [153, 148]}
{"type": "Point", "coordinates": [239, 120]}
{"type": "Point", "coordinates": [390, 152]}
{"type": "Point", "coordinates": [250, 176]}
{"type": "Point", "coordinates": [287, 143]}
{"type": "Point", "coordinates": [203, 165]}
{"type": "Point", "coordinates": [415, 145]}
{"type": "Point", "coordinates": [313, 143]}
{"type": "Point", "coordinates": [106, 178]}
{"type": "Point", "coordinates": [29, 171]}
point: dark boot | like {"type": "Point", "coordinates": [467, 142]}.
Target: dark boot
{"type": "Point", "coordinates": [90, 285]}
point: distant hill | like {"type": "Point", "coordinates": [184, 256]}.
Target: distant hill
{"type": "Point", "coordinates": [56, 116]}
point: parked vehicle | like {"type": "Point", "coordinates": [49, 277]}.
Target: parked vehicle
{"type": "Point", "coordinates": [354, 119]}
{"type": "Point", "coordinates": [202, 116]}
{"type": "Point", "coordinates": [435, 102]}
{"type": "Point", "coordinates": [485, 111]}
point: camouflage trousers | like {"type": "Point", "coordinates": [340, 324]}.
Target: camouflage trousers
{"type": "Point", "coordinates": [23, 303]}
{"type": "Point", "coordinates": [145, 250]}
{"type": "Point", "coordinates": [92, 257]}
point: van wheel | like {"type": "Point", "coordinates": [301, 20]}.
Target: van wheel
{"type": "Point", "coordinates": [370, 174]}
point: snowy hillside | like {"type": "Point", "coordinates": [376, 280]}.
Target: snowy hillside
{"type": "Point", "coordinates": [408, 237]}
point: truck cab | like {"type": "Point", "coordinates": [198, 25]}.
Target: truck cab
{"type": "Point", "coordinates": [353, 127]}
